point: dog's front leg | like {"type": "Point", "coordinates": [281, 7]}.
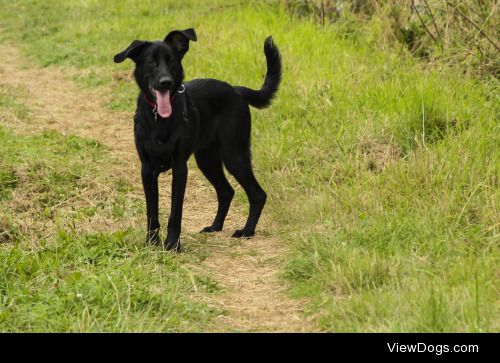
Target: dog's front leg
{"type": "Point", "coordinates": [150, 184]}
{"type": "Point", "coordinates": [180, 172]}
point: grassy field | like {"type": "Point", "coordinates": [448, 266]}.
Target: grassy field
{"type": "Point", "coordinates": [382, 172]}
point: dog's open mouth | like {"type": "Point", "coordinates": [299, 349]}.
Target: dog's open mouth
{"type": "Point", "coordinates": [163, 102]}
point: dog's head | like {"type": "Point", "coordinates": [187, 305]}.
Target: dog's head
{"type": "Point", "coordinates": [158, 67]}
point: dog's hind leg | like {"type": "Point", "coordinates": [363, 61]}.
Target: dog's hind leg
{"type": "Point", "coordinates": [241, 168]}
{"type": "Point", "coordinates": [210, 163]}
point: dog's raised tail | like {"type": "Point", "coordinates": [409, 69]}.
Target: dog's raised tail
{"type": "Point", "coordinates": [263, 97]}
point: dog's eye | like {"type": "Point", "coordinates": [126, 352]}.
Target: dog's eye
{"type": "Point", "coordinates": [151, 62]}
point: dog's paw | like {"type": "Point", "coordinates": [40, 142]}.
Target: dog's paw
{"type": "Point", "coordinates": [153, 238]}
{"type": "Point", "coordinates": [241, 233]}
{"type": "Point", "coordinates": [210, 229]}
{"type": "Point", "coordinates": [173, 246]}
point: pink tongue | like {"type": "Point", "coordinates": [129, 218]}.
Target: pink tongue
{"type": "Point", "coordinates": [163, 101]}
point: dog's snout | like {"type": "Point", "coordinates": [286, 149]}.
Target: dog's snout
{"type": "Point", "coordinates": [165, 82]}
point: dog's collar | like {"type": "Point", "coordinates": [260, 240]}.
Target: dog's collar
{"type": "Point", "coordinates": [153, 104]}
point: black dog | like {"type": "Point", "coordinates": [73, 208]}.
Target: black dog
{"type": "Point", "coordinates": [207, 117]}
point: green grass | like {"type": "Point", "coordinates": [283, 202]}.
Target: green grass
{"type": "Point", "coordinates": [405, 240]}
{"type": "Point", "coordinates": [96, 282]}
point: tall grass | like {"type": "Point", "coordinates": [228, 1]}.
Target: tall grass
{"type": "Point", "coordinates": [382, 174]}
{"type": "Point", "coordinates": [459, 33]}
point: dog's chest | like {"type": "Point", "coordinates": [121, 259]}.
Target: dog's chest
{"type": "Point", "coordinates": [160, 132]}
{"type": "Point", "coordinates": [156, 142]}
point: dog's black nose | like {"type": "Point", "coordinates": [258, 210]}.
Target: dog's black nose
{"type": "Point", "coordinates": [165, 82]}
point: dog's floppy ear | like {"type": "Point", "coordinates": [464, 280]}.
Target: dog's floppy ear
{"type": "Point", "coordinates": [179, 40]}
{"type": "Point", "coordinates": [132, 52]}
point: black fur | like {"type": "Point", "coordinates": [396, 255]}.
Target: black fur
{"type": "Point", "coordinates": [210, 119]}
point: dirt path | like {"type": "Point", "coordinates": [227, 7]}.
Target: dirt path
{"type": "Point", "coordinates": [252, 294]}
